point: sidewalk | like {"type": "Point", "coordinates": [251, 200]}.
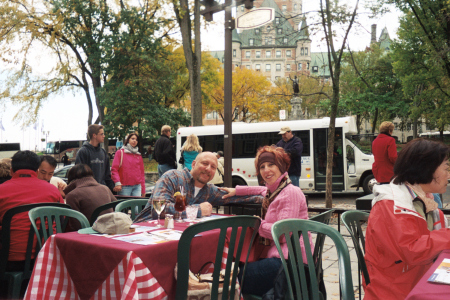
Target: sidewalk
{"type": "Point", "coordinates": [330, 262]}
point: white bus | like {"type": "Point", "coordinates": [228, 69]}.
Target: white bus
{"type": "Point", "coordinates": [352, 167]}
{"type": "Point", "coordinates": [7, 150]}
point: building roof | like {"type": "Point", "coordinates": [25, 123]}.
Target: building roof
{"type": "Point", "coordinates": [235, 37]}
{"type": "Point", "coordinates": [287, 31]}
{"type": "Point", "coordinates": [218, 55]}
{"type": "Point", "coordinates": [320, 60]}
{"type": "Point", "coordinates": [385, 39]}
{"type": "Point", "coordinates": [304, 32]}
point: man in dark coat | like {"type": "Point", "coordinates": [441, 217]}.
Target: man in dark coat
{"type": "Point", "coordinates": [293, 146]}
{"type": "Point", "coordinates": [164, 153]}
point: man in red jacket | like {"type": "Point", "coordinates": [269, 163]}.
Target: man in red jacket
{"type": "Point", "coordinates": [385, 153]}
{"type": "Point", "coordinates": [23, 188]}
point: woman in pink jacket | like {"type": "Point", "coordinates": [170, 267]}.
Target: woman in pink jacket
{"type": "Point", "coordinates": [127, 170]}
{"type": "Point", "coordinates": [282, 200]}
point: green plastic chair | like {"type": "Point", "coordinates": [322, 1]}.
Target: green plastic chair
{"type": "Point", "coordinates": [101, 208]}
{"type": "Point", "coordinates": [52, 215]}
{"type": "Point", "coordinates": [15, 279]}
{"type": "Point", "coordinates": [294, 269]}
{"type": "Point", "coordinates": [231, 224]}
{"type": "Point", "coordinates": [323, 218]}
{"type": "Point", "coordinates": [133, 205]}
{"type": "Point", "coordinates": [352, 221]}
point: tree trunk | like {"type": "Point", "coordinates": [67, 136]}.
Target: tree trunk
{"type": "Point", "coordinates": [192, 56]}
{"type": "Point", "coordinates": [375, 120]}
{"type": "Point", "coordinates": [331, 136]}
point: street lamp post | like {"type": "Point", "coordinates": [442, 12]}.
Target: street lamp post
{"type": "Point", "coordinates": [45, 133]}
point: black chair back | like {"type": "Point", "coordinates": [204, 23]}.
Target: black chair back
{"type": "Point", "coordinates": [15, 279]}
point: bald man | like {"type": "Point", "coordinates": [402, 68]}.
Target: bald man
{"type": "Point", "coordinates": [196, 187]}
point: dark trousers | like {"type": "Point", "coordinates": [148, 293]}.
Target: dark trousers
{"type": "Point", "coordinates": [260, 276]}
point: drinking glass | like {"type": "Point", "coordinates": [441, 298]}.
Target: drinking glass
{"type": "Point", "coordinates": [180, 205]}
{"type": "Point", "coordinates": [191, 212]}
{"type": "Point", "coordinates": [158, 206]}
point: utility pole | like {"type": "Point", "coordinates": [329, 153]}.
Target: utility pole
{"type": "Point", "coordinates": [212, 7]}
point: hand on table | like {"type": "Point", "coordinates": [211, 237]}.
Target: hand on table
{"type": "Point", "coordinates": [231, 192]}
{"type": "Point", "coordinates": [206, 209]}
{"type": "Point", "coordinates": [117, 188]}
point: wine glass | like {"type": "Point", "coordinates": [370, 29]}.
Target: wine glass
{"type": "Point", "coordinates": [158, 206]}
{"type": "Point", "coordinates": [180, 205]}
{"type": "Point", "coordinates": [191, 212]}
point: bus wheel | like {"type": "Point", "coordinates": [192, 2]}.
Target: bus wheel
{"type": "Point", "coordinates": [368, 184]}
{"type": "Point", "coordinates": [237, 181]}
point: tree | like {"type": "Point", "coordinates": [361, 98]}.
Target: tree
{"type": "Point", "coordinates": [331, 16]}
{"type": "Point", "coordinates": [250, 94]}
{"type": "Point", "coordinates": [424, 77]}
{"type": "Point", "coordinates": [370, 88]}
{"type": "Point", "coordinates": [79, 35]}
{"type": "Point", "coordinates": [192, 53]}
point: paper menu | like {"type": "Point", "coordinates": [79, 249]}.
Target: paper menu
{"type": "Point", "coordinates": [442, 273]}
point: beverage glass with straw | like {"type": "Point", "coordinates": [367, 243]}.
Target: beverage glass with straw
{"type": "Point", "coordinates": [158, 206]}
{"type": "Point", "coordinates": [180, 203]}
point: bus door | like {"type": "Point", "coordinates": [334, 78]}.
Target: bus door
{"type": "Point", "coordinates": [320, 145]}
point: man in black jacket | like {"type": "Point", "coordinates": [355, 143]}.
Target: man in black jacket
{"type": "Point", "coordinates": [294, 147]}
{"type": "Point", "coordinates": [93, 155]}
{"type": "Point", "coordinates": [164, 153]}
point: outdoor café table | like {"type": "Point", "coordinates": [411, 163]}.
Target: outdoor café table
{"type": "Point", "coordinates": [425, 290]}
{"type": "Point", "coordinates": [84, 266]}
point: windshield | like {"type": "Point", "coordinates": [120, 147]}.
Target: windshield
{"type": "Point", "coordinates": [364, 145]}
{"type": "Point", "coordinates": [50, 149]}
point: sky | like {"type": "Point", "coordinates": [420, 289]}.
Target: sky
{"type": "Point", "coordinates": [64, 117]}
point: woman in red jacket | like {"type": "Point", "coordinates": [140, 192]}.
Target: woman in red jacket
{"type": "Point", "coordinates": [406, 230]}
{"type": "Point", "coordinates": [385, 153]}
{"type": "Point", "coordinates": [127, 170]}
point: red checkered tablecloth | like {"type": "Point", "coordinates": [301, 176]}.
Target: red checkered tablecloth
{"type": "Point", "coordinates": [131, 279]}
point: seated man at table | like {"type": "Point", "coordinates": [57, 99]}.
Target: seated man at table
{"type": "Point", "coordinates": [23, 188]}
{"type": "Point", "coordinates": [46, 170]}
{"type": "Point", "coordinates": [196, 187]}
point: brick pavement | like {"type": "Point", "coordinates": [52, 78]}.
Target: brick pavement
{"type": "Point", "coordinates": [330, 262]}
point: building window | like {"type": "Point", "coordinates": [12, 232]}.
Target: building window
{"type": "Point", "coordinates": [278, 53]}
{"type": "Point", "coordinates": [300, 66]}
{"type": "Point", "coordinates": [242, 7]}
{"type": "Point", "coordinates": [251, 42]}
{"type": "Point", "coordinates": [288, 67]}
{"type": "Point", "coordinates": [306, 51]}
{"type": "Point", "coordinates": [295, 6]}
{"type": "Point", "coordinates": [258, 54]}
{"type": "Point", "coordinates": [258, 67]}
{"type": "Point", "coordinates": [248, 67]}
{"type": "Point", "coordinates": [278, 67]}
{"type": "Point", "coordinates": [268, 54]}
{"type": "Point", "coordinates": [268, 28]}
{"type": "Point", "coordinates": [280, 31]}
{"type": "Point", "coordinates": [283, 8]}
{"type": "Point", "coordinates": [234, 52]}
{"type": "Point", "coordinates": [247, 54]}
{"type": "Point", "coordinates": [288, 53]}
{"type": "Point", "coordinates": [285, 40]}
{"type": "Point", "coordinates": [257, 31]}
{"type": "Point", "coordinates": [315, 69]}
{"type": "Point", "coordinates": [307, 66]}
{"type": "Point", "coordinates": [267, 67]}
{"type": "Point", "coordinates": [277, 20]}
{"type": "Point", "coordinates": [269, 40]}
{"type": "Point", "coordinates": [302, 52]}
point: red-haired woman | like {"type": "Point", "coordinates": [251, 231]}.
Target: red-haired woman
{"type": "Point", "coordinates": [282, 200]}
{"type": "Point", "coordinates": [127, 170]}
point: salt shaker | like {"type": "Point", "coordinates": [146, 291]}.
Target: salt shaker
{"type": "Point", "coordinates": [168, 221]}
